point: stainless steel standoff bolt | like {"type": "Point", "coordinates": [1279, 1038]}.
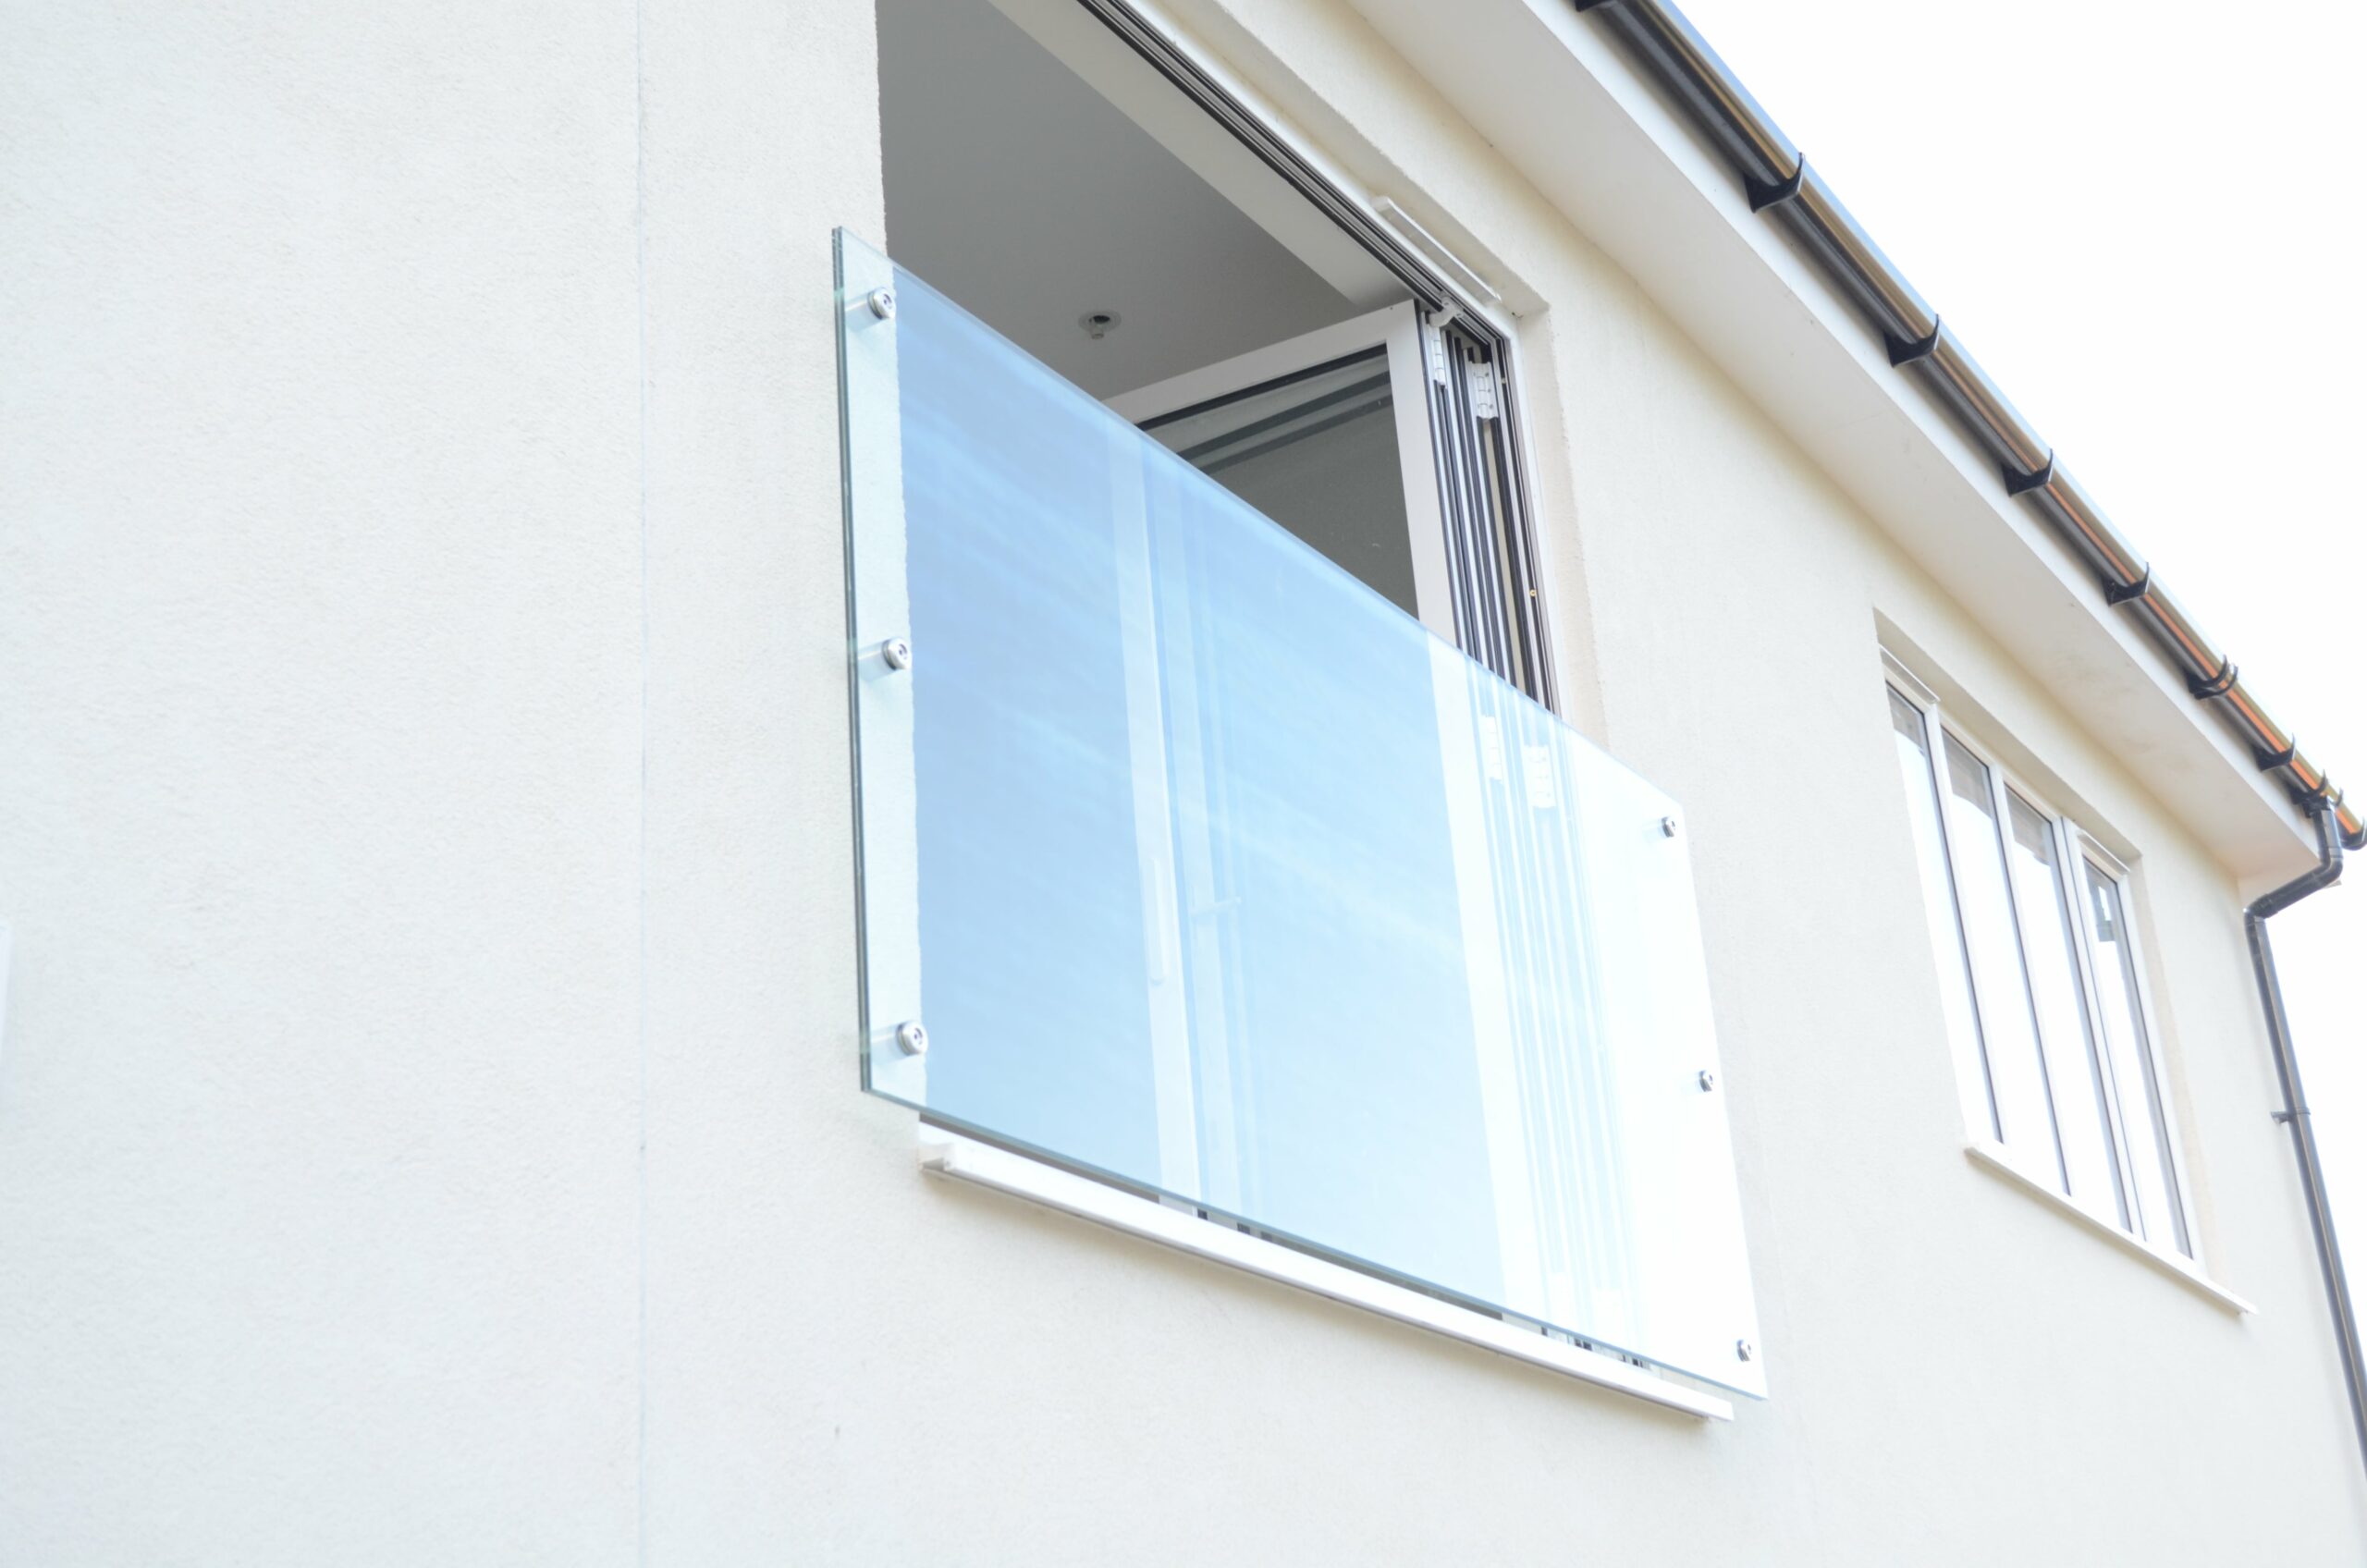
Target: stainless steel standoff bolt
{"type": "Point", "coordinates": [898, 653]}
{"type": "Point", "coordinates": [1707, 1080]}
{"type": "Point", "coordinates": [913, 1040]}
{"type": "Point", "coordinates": [1745, 1350]}
{"type": "Point", "coordinates": [1668, 827]}
{"type": "Point", "coordinates": [882, 303]}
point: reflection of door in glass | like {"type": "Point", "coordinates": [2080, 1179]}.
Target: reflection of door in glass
{"type": "Point", "coordinates": [1329, 435]}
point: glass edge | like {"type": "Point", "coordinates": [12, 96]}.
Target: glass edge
{"type": "Point", "coordinates": [839, 238]}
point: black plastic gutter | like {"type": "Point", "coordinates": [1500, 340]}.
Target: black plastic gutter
{"type": "Point", "coordinates": [1781, 186]}
{"type": "Point", "coordinates": [2296, 1114]}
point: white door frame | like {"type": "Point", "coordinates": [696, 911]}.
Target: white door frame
{"type": "Point", "coordinates": [1399, 329]}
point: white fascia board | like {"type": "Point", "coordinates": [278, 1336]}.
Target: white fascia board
{"type": "Point", "coordinates": [1559, 101]}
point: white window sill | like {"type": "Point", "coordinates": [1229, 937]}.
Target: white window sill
{"type": "Point", "coordinates": [951, 1155]}
{"type": "Point", "coordinates": [2000, 1164]}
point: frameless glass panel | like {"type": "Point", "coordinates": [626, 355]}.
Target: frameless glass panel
{"type": "Point", "coordinates": [2016, 1070]}
{"type": "Point", "coordinates": [1940, 911]}
{"type": "Point", "coordinates": [1316, 452]}
{"type": "Point", "coordinates": [2144, 1119]}
{"type": "Point", "coordinates": [2083, 1115]}
{"type": "Point", "coordinates": [1202, 867]}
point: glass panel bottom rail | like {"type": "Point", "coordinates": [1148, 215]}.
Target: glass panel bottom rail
{"type": "Point", "coordinates": [951, 1156]}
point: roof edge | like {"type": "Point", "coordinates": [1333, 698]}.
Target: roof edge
{"type": "Point", "coordinates": [1779, 184]}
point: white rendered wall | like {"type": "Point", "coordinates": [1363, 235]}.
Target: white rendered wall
{"type": "Point", "coordinates": [319, 784]}
{"type": "Point", "coordinates": [422, 790]}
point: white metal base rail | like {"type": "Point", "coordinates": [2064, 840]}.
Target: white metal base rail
{"type": "Point", "coordinates": [951, 1155]}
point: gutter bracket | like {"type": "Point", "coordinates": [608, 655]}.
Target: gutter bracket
{"type": "Point", "coordinates": [1763, 195]}
{"type": "Point", "coordinates": [2218, 685]}
{"type": "Point", "coordinates": [1902, 352]}
{"type": "Point", "coordinates": [2121, 593]}
{"type": "Point", "coordinates": [2018, 484]}
{"type": "Point", "coordinates": [2271, 761]}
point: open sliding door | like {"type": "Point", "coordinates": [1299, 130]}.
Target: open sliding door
{"type": "Point", "coordinates": [1327, 434]}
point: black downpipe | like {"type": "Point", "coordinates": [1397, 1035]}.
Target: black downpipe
{"type": "Point", "coordinates": [2296, 1114]}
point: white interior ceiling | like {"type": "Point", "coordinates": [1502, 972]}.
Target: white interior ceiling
{"type": "Point", "coordinates": [1027, 196]}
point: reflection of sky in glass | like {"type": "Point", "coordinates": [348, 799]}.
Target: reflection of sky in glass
{"type": "Point", "coordinates": [1235, 883]}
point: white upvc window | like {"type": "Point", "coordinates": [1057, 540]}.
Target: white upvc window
{"type": "Point", "coordinates": [2042, 982]}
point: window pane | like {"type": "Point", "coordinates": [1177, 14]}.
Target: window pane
{"type": "Point", "coordinates": [1316, 452]}
{"type": "Point", "coordinates": [2143, 1120]}
{"type": "Point", "coordinates": [2072, 1066]}
{"type": "Point", "coordinates": [2016, 1071]}
{"type": "Point", "coordinates": [1940, 910]}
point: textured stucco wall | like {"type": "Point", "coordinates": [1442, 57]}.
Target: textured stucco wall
{"type": "Point", "coordinates": [319, 759]}
{"type": "Point", "coordinates": [422, 788]}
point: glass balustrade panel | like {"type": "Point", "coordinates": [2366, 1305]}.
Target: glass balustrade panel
{"type": "Point", "coordinates": [1190, 861]}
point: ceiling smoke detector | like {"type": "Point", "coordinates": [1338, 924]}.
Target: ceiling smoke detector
{"type": "Point", "coordinates": [1098, 324]}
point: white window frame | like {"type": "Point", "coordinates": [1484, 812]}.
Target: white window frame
{"type": "Point", "coordinates": [2076, 849]}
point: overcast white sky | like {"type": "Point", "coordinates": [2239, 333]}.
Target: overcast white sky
{"type": "Point", "coordinates": [2143, 221]}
